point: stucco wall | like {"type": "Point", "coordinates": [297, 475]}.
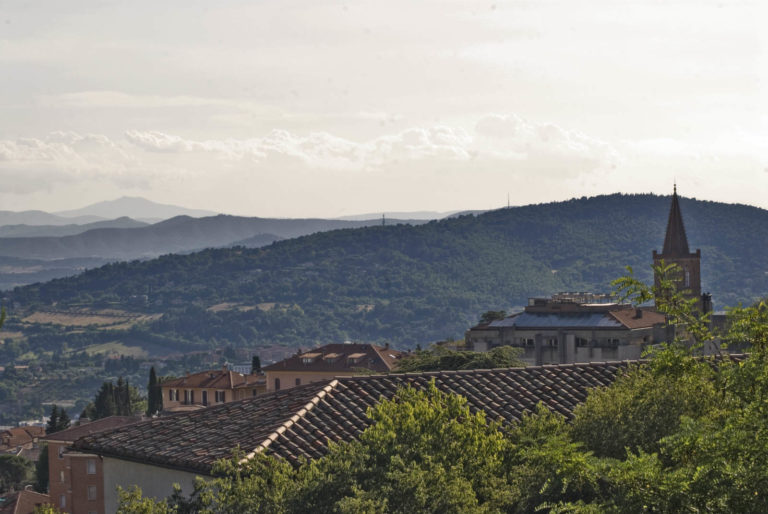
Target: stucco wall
{"type": "Point", "coordinates": [154, 481]}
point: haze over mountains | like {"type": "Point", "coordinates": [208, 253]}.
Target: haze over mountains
{"type": "Point", "coordinates": [44, 246]}
{"type": "Point", "coordinates": [407, 284]}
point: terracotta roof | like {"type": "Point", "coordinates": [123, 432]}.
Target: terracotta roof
{"type": "Point", "coordinates": [638, 318]}
{"type": "Point", "coordinates": [22, 502]}
{"type": "Point", "coordinates": [92, 427]}
{"type": "Point", "coordinates": [19, 436]}
{"type": "Point", "coordinates": [340, 358]}
{"type": "Point", "coordinates": [299, 422]}
{"type": "Point", "coordinates": [214, 379]}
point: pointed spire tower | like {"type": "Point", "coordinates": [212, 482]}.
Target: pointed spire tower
{"type": "Point", "coordinates": [676, 252]}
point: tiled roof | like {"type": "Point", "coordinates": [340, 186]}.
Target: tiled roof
{"type": "Point", "coordinates": [299, 422]}
{"type": "Point", "coordinates": [18, 436]}
{"type": "Point", "coordinates": [214, 379]}
{"type": "Point", "coordinates": [340, 358]}
{"type": "Point", "coordinates": [613, 319]}
{"type": "Point", "coordinates": [92, 427]}
{"type": "Point", "coordinates": [639, 318]}
{"type": "Point", "coordinates": [22, 502]}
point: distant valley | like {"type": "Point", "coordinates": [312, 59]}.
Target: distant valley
{"type": "Point", "coordinates": [403, 284]}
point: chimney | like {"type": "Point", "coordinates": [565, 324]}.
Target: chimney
{"type": "Point", "coordinates": [638, 313]}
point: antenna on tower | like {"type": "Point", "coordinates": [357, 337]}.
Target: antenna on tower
{"type": "Point", "coordinates": [507, 200]}
{"type": "Point", "coordinates": [383, 220]}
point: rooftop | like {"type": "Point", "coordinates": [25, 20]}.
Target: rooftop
{"type": "Point", "coordinates": [340, 358]}
{"type": "Point", "coordinates": [299, 422]}
{"type": "Point", "coordinates": [619, 318]}
{"type": "Point", "coordinates": [73, 433]}
{"type": "Point", "coordinates": [215, 379]}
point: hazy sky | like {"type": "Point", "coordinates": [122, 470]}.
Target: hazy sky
{"type": "Point", "coordinates": [316, 108]}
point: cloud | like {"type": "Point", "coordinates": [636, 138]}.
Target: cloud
{"type": "Point", "coordinates": [506, 145]}
{"type": "Point", "coordinates": [495, 139]}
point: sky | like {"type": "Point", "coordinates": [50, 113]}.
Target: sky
{"type": "Point", "coordinates": [297, 108]}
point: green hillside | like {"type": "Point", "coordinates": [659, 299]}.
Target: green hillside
{"type": "Point", "coordinates": [402, 284]}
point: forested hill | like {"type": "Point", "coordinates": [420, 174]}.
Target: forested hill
{"type": "Point", "coordinates": [415, 284]}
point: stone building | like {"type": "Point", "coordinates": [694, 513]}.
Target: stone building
{"type": "Point", "coordinates": [330, 361]}
{"type": "Point", "coordinates": [573, 327]}
{"type": "Point", "coordinates": [676, 251]}
{"type": "Point", "coordinates": [206, 388]}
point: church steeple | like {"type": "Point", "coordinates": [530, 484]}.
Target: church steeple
{"type": "Point", "coordinates": [675, 242]}
{"type": "Point", "coordinates": [676, 251]}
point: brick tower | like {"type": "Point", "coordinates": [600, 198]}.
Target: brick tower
{"type": "Point", "coordinates": [676, 252]}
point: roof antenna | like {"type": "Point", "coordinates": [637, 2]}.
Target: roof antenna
{"type": "Point", "coordinates": [383, 220]}
{"type": "Point", "coordinates": [507, 200]}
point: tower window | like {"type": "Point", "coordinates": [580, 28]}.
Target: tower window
{"type": "Point", "coordinates": [687, 278]}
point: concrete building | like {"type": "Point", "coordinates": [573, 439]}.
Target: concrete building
{"type": "Point", "coordinates": [572, 327]}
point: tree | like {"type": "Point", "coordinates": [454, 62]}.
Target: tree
{"type": "Point", "coordinates": [439, 358]}
{"type": "Point", "coordinates": [680, 434]}
{"type": "Point", "coordinates": [121, 399]}
{"type": "Point", "coordinates": [41, 470]}
{"type": "Point", "coordinates": [58, 421]}
{"type": "Point", "coordinates": [14, 472]}
{"type": "Point", "coordinates": [489, 316]}
{"type": "Point", "coordinates": [154, 394]}
{"type": "Point", "coordinates": [255, 365]}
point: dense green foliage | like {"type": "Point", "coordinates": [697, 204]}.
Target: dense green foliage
{"type": "Point", "coordinates": [439, 358]}
{"type": "Point", "coordinates": [15, 472]}
{"type": "Point", "coordinates": [426, 452]}
{"type": "Point", "coordinates": [41, 470]}
{"type": "Point", "coordinates": [57, 421]}
{"type": "Point", "coordinates": [154, 394]}
{"type": "Point", "coordinates": [115, 399]}
{"type": "Point", "coordinates": [410, 285]}
{"type": "Point", "coordinates": [678, 434]}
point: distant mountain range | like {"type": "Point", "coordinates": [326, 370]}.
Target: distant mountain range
{"type": "Point", "coordinates": [135, 207]}
{"type": "Point", "coordinates": [180, 234]}
{"type": "Point", "coordinates": [66, 230]}
{"type": "Point", "coordinates": [402, 284]}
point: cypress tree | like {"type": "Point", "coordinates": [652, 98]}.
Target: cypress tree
{"type": "Point", "coordinates": [154, 394]}
{"type": "Point", "coordinates": [53, 421]}
{"type": "Point", "coordinates": [255, 365]}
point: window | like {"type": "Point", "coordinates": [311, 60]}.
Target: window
{"type": "Point", "coordinates": [91, 492]}
{"type": "Point", "coordinates": [277, 384]}
{"type": "Point", "coordinates": [170, 395]}
{"type": "Point", "coordinates": [61, 476]}
{"type": "Point", "coordinates": [186, 396]}
{"type": "Point", "coordinates": [254, 392]}
{"type": "Point", "coordinates": [298, 381]}
{"type": "Point", "coordinates": [61, 452]}
{"type": "Point", "coordinates": [221, 396]}
{"type": "Point", "coordinates": [63, 501]}
{"type": "Point", "coordinates": [192, 397]}
{"type": "Point", "coordinates": [91, 466]}
{"type": "Point", "coordinates": [205, 397]}
{"type": "Point", "coordinates": [687, 278]}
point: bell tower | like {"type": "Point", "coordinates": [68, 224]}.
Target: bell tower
{"type": "Point", "coordinates": [676, 252]}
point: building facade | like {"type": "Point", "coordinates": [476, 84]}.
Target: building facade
{"type": "Point", "coordinates": [75, 478]}
{"type": "Point", "coordinates": [687, 277]}
{"type": "Point", "coordinates": [568, 328]}
{"type": "Point", "coordinates": [214, 387]}
{"type": "Point", "coordinates": [330, 361]}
